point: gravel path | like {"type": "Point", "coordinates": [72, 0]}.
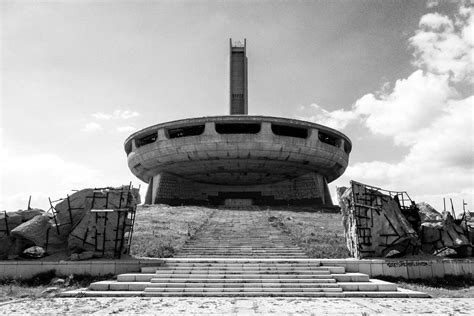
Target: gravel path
{"type": "Point", "coordinates": [199, 306]}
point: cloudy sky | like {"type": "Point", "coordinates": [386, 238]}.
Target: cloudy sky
{"type": "Point", "coordinates": [77, 77]}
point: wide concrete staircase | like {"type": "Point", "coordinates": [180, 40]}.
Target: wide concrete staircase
{"type": "Point", "coordinates": [239, 253]}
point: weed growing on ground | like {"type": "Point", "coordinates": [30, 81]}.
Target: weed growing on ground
{"type": "Point", "coordinates": [160, 231]}
{"type": "Point", "coordinates": [37, 286]}
{"type": "Point", "coordinates": [449, 286]}
{"type": "Point", "coordinates": [321, 235]}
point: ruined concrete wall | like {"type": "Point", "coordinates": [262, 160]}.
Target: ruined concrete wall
{"type": "Point", "coordinates": [438, 231]}
{"type": "Point", "coordinates": [91, 220]}
{"type": "Point", "coordinates": [374, 225]}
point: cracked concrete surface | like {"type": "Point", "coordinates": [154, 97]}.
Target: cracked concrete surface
{"type": "Point", "coordinates": [233, 306]}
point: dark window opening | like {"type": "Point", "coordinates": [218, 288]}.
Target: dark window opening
{"type": "Point", "coordinates": [291, 131]}
{"type": "Point", "coordinates": [194, 130]}
{"type": "Point", "coordinates": [146, 140]}
{"type": "Point", "coordinates": [237, 128]}
{"type": "Point", "coordinates": [328, 139]}
{"type": "Point", "coordinates": [128, 148]}
{"type": "Point", "coordinates": [347, 147]}
{"type": "Point", "coordinates": [237, 96]}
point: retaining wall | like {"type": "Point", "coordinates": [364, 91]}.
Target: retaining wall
{"type": "Point", "coordinates": [408, 269]}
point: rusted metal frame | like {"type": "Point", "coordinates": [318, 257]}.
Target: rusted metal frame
{"type": "Point", "coordinates": [69, 209]}
{"type": "Point", "coordinates": [118, 224]}
{"type": "Point", "coordinates": [104, 233]}
{"type": "Point", "coordinates": [53, 211]}
{"type": "Point", "coordinates": [47, 239]}
{"type": "Point", "coordinates": [132, 225]}
{"type": "Point", "coordinates": [95, 216]}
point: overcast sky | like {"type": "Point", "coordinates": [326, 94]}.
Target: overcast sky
{"type": "Point", "coordinates": [77, 77]}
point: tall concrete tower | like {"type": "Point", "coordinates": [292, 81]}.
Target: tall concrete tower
{"type": "Point", "coordinates": [238, 78]}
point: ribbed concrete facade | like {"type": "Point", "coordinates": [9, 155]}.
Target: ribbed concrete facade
{"type": "Point", "coordinates": [213, 160]}
{"type": "Point", "coordinates": [238, 78]}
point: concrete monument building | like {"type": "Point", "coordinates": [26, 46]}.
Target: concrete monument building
{"type": "Point", "coordinates": [238, 158]}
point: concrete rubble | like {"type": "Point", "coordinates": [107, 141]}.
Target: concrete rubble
{"type": "Point", "coordinates": [88, 223]}
{"type": "Point", "coordinates": [439, 231]}
{"type": "Point", "coordinates": [382, 223]}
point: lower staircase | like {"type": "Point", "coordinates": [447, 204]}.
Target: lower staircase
{"type": "Point", "coordinates": [240, 254]}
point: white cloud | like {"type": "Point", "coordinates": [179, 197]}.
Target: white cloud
{"type": "Point", "coordinates": [102, 116]}
{"type": "Point", "coordinates": [126, 129]}
{"type": "Point", "coordinates": [427, 113]}
{"type": "Point", "coordinates": [116, 115]}
{"type": "Point", "coordinates": [125, 114]}
{"type": "Point", "coordinates": [432, 3]}
{"type": "Point", "coordinates": [41, 176]}
{"type": "Point", "coordinates": [92, 127]}
{"type": "Point", "coordinates": [338, 119]}
{"type": "Point", "coordinates": [409, 108]}
{"type": "Point", "coordinates": [445, 46]}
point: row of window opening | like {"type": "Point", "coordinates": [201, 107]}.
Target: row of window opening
{"type": "Point", "coordinates": [243, 128]}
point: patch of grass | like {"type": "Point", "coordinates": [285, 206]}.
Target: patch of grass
{"type": "Point", "coordinates": [36, 286]}
{"type": "Point", "coordinates": [449, 286]}
{"type": "Point", "coordinates": [160, 230]}
{"type": "Point", "coordinates": [321, 235]}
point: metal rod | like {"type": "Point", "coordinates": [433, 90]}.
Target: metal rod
{"type": "Point", "coordinates": [452, 208]}
{"type": "Point", "coordinates": [69, 210]}
{"type": "Point", "coordinates": [444, 205]}
{"type": "Point", "coordinates": [53, 210]}
{"type": "Point", "coordinates": [104, 233]}
{"type": "Point", "coordinates": [29, 203]}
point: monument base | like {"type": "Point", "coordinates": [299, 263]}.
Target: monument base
{"type": "Point", "coordinates": [309, 189]}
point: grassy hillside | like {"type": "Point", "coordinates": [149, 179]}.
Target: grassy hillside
{"type": "Point", "coordinates": [160, 230]}
{"type": "Point", "coordinates": [321, 235]}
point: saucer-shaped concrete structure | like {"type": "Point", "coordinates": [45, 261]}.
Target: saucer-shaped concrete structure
{"type": "Point", "coordinates": [264, 160]}
{"type": "Point", "coordinates": [238, 159]}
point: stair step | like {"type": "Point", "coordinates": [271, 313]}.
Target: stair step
{"type": "Point", "coordinates": [118, 286]}
{"type": "Point", "coordinates": [239, 280]}
{"type": "Point", "coordinates": [249, 284]}
{"type": "Point", "coordinates": [350, 277]}
{"type": "Point", "coordinates": [243, 294]}
{"type": "Point", "coordinates": [372, 285]}
{"type": "Point", "coordinates": [242, 271]}
{"type": "Point", "coordinates": [135, 277]}
{"type": "Point", "coordinates": [242, 289]}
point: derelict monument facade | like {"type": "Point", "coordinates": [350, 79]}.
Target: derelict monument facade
{"type": "Point", "coordinates": [238, 158]}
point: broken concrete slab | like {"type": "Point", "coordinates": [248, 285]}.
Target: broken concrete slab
{"type": "Point", "coordinates": [374, 224]}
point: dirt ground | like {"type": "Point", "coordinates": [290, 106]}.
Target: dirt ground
{"type": "Point", "coordinates": [233, 306]}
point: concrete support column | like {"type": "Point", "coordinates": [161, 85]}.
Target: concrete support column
{"type": "Point", "coordinates": [161, 134]}
{"type": "Point", "coordinates": [313, 136]}
{"type": "Point", "coordinates": [341, 143]}
{"type": "Point", "coordinates": [209, 129]}
{"type": "Point", "coordinates": [266, 129]}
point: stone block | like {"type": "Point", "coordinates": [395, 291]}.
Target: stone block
{"type": "Point", "coordinates": [437, 269]}
{"type": "Point", "coordinates": [364, 267]}
{"type": "Point", "coordinates": [413, 271]}
{"type": "Point", "coordinates": [426, 272]}
{"type": "Point", "coordinates": [352, 267]}
{"type": "Point", "coordinates": [376, 269]}
{"type": "Point", "coordinates": [24, 271]}
{"type": "Point", "coordinates": [9, 270]}
{"type": "Point", "coordinates": [395, 269]}
{"type": "Point", "coordinates": [467, 267]}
